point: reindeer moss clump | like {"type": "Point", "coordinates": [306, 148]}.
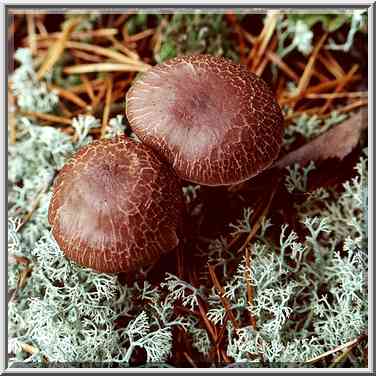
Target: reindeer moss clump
{"type": "Point", "coordinates": [310, 295]}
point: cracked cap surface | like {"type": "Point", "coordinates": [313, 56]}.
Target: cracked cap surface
{"type": "Point", "coordinates": [116, 207]}
{"type": "Point", "coordinates": [213, 120]}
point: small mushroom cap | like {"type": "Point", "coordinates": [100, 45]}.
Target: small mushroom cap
{"type": "Point", "coordinates": [116, 207]}
{"type": "Point", "coordinates": [213, 120]}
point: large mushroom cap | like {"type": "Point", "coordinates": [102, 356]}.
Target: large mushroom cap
{"type": "Point", "coordinates": [213, 120]}
{"type": "Point", "coordinates": [116, 207]}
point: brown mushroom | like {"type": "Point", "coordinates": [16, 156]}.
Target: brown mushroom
{"type": "Point", "coordinates": [116, 207]}
{"type": "Point", "coordinates": [213, 120]}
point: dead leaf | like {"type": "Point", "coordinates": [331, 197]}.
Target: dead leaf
{"type": "Point", "coordinates": [338, 142]}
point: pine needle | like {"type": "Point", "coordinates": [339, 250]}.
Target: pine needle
{"type": "Point", "coordinates": [88, 86]}
{"type": "Point", "coordinates": [346, 79]}
{"type": "Point", "coordinates": [104, 67]}
{"type": "Point", "coordinates": [274, 58]}
{"type": "Point", "coordinates": [29, 349]}
{"type": "Point", "coordinates": [350, 344]}
{"type": "Point", "coordinates": [12, 119]}
{"type": "Point", "coordinates": [250, 293]}
{"type": "Point", "coordinates": [41, 28]}
{"type": "Point", "coordinates": [81, 88]}
{"type": "Point", "coordinates": [207, 323]}
{"type": "Point", "coordinates": [257, 225]}
{"type": "Point", "coordinates": [353, 106]}
{"type": "Point", "coordinates": [307, 74]}
{"type": "Point", "coordinates": [136, 37]}
{"type": "Point", "coordinates": [69, 95]}
{"type": "Point", "coordinates": [32, 350]}
{"type": "Point", "coordinates": [315, 73]}
{"type": "Point", "coordinates": [263, 40]}
{"type": "Point", "coordinates": [265, 60]}
{"type": "Point", "coordinates": [49, 117]}
{"type": "Point", "coordinates": [221, 294]}
{"type": "Point", "coordinates": [116, 56]}
{"type": "Point", "coordinates": [190, 360]}
{"type": "Point", "coordinates": [57, 48]}
{"type": "Point", "coordinates": [354, 94]}
{"type": "Point", "coordinates": [120, 20]}
{"type": "Point", "coordinates": [86, 56]}
{"type": "Point", "coordinates": [99, 96]}
{"type": "Point", "coordinates": [31, 33]}
{"type": "Point", "coordinates": [36, 201]}
{"type": "Point", "coordinates": [331, 64]}
{"type": "Point", "coordinates": [315, 89]}
{"type": "Point", "coordinates": [106, 112]}
{"type": "Point", "coordinates": [77, 35]}
{"type": "Point", "coordinates": [132, 54]}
